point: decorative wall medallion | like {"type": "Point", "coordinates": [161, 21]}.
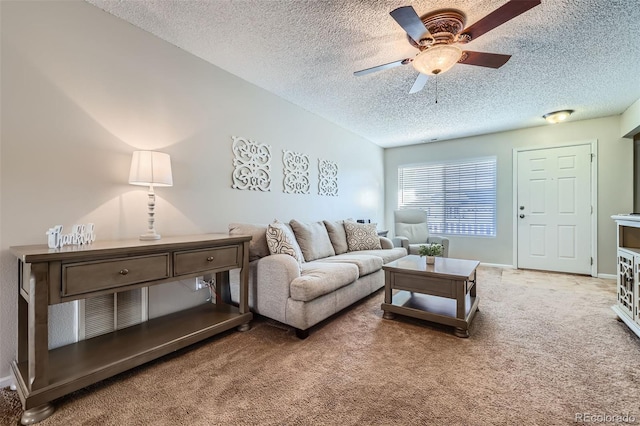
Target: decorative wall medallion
{"type": "Point", "coordinates": [252, 165]}
{"type": "Point", "coordinates": [296, 172]}
{"type": "Point", "coordinates": [327, 178]}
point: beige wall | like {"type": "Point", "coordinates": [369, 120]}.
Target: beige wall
{"type": "Point", "coordinates": [615, 180]}
{"type": "Point", "coordinates": [82, 89]}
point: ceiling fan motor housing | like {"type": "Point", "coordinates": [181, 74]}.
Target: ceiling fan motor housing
{"type": "Point", "coordinates": [444, 28]}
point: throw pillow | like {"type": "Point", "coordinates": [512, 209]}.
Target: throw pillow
{"type": "Point", "coordinates": [337, 236]}
{"type": "Point", "coordinates": [258, 246]}
{"type": "Point", "coordinates": [362, 236]}
{"type": "Point", "coordinates": [280, 240]}
{"type": "Point", "coordinates": [313, 240]}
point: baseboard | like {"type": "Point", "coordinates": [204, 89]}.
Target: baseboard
{"type": "Point", "coordinates": [607, 276]}
{"type": "Point", "coordinates": [497, 265]}
{"type": "Point", "coordinates": [7, 382]}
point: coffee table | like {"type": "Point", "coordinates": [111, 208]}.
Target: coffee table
{"type": "Point", "coordinates": [444, 292]}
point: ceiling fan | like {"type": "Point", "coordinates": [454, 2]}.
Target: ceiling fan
{"type": "Point", "coordinates": [437, 34]}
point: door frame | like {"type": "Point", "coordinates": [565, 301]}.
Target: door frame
{"type": "Point", "coordinates": [593, 143]}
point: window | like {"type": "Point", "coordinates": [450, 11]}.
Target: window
{"type": "Point", "coordinates": [459, 197]}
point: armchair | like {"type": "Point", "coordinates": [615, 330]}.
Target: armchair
{"type": "Point", "coordinates": [411, 232]}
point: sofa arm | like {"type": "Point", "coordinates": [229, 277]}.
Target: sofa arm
{"type": "Point", "coordinates": [274, 276]}
{"type": "Point", "coordinates": [386, 243]}
{"type": "Point", "coordinates": [444, 241]}
{"type": "Point", "coordinates": [401, 242]}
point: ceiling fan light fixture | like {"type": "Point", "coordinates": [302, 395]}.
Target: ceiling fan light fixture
{"type": "Point", "coordinates": [437, 59]}
{"type": "Point", "coordinates": [558, 116]}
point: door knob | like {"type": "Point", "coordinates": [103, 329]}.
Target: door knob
{"type": "Point", "coordinates": [521, 216]}
{"type": "Point", "coordinates": [521, 207]}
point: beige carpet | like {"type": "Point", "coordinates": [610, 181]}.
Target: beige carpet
{"type": "Point", "coordinates": [543, 348]}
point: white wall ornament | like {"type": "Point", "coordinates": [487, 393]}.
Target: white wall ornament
{"type": "Point", "coordinates": [296, 173]}
{"type": "Point", "coordinates": [80, 235]}
{"type": "Point", "coordinates": [252, 165]}
{"type": "Point", "coordinates": [327, 178]}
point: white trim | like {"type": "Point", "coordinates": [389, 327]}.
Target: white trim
{"type": "Point", "coordinates": [497, 265]}
{"type": "Point", "coordinates": [607, 276]}
{"type": "Point", "coordinates": [594, 197]}
{"type": "Point", "coordinates": [7, 382]}
{"type": "Point", "coordinates": [594, 204]}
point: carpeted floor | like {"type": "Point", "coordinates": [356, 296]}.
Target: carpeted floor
{"type": "Point", "coordinates": [544, 348]}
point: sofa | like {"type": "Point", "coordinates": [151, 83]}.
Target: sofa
{"type": "Point", "coordinates": [302, 273]}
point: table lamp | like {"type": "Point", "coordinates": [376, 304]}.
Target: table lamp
{"type": "Point", "coordinates": [153, 169]}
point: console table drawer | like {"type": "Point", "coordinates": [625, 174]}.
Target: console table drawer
{"type": "Point", "coordinates": [194, 261]}
{"type": "Point", "coordinates": [85, 277]}
{"type": "Point", "coordinates": [433, 286]}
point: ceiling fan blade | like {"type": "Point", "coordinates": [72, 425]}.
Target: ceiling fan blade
{"type": "Point", "coordinates": [409, 20]}
{"type": "Point", "coordinates": [499, 16]}
{"type": "Point", "coordinates": [383, 67]}
{"type": "Point", "coordinates": [419, 83]}
{"type": "Point", "coordinates": [483, 59]}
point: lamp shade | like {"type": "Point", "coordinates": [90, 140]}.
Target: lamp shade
{"type": "Point", "coordinates": [437, 59]}
{"type": "Point", "coordinates": [150, 168]}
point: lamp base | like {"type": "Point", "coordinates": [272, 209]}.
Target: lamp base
{"type": "Point", "coordinates": [149, 237]}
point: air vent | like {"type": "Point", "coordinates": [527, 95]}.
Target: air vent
{"type": "Point", "coordinates": [104, 314]}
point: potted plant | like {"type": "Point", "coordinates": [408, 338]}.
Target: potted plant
{"type": "Point", "coordinates": [431, 251]}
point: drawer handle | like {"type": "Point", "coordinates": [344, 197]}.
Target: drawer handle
{"type": "Point", "coordinates": [210, 259]}
{"type": "Point", "coordinates": [124, 271]}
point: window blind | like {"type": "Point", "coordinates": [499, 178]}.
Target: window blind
{"type": "Point", "coordinates": [459, 197]}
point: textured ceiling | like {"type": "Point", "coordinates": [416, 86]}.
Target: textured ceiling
{"type": "Point", "coordinates": [576, 54]}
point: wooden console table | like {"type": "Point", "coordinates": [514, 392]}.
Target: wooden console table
{"type": "Point", "coordinates": [50, 276]}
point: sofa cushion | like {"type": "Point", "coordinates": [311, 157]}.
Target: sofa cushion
{"type": "Point", "coordinates": [313, 240]}
{"type": "Point", "coordinates": [366, 263]}
{"type": "Point", "coordinates": [280, 240]}
{"type": "Point", "coordinates": [258, 245]}
{"type": "Point", "coordinates": [387, 255]}
{"type": "Point", "coordinates": [337, 235]}
{"type": "Point", "coordinates": [362, 236]}
{"type": "Point", "coordinates": [319, 278]}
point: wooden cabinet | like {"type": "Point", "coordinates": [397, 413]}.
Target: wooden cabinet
{"type": "Point", "coordinates": [51, 276]}
{"type": "Point", "coordinates": [628, 274]}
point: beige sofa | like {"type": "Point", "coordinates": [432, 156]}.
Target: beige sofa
{"type": "Point", "coordinates": [334, 273]}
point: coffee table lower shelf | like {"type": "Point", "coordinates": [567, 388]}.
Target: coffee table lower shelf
{"type": "Point", "coordinates": [436, 309]}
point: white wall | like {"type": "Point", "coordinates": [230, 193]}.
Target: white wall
{"type": "Point", "coordinates": [630, 122]}
{"type": "Point", "coordinates": [615, 181]}
{"type": "Point", "coordinates": [82, 89]}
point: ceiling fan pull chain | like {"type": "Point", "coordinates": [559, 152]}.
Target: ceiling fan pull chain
{"type": "Point", "coordinates": [436, 88]}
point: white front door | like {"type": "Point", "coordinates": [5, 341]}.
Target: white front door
{"type": "Point", "coordinates": [554, 209]}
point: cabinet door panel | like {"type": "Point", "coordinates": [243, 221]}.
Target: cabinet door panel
{"type": "Point", "coordinates": [625, 280]}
